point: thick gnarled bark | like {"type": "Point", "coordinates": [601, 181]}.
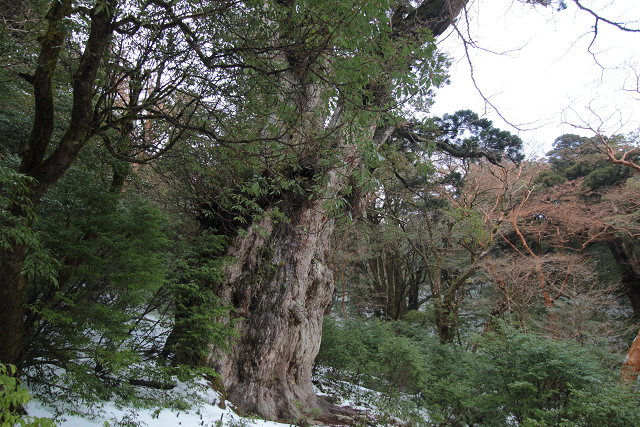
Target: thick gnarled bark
{"type": "Point", "coordinates": [281, 287]}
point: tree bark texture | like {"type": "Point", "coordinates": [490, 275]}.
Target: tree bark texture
{"type": "Point", "coordinates": [13, 295]}
{"type": "Point", "coordinates": [281, 288]}
{"type": "Point", "coordinates": [280, 285]}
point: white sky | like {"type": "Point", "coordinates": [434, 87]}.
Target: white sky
{"type": "Point", "coordinates": [547, 76]}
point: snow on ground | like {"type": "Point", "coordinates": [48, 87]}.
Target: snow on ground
{"type": "Point", "coordinates": [205, 414]}
{"type": "Point", "coordinates": [208, 412]}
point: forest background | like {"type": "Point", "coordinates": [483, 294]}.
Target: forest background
{"type": "Point", "coordinates": [184, 184]}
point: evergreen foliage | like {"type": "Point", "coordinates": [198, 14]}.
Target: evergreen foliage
{"type": "Point", "coordinates": [468, 133]}
{"type": "Point", "coordinates": [538, 381]}
{"type": "Point", "coordinates": [574, 157]}
{"type": "Point", "coordinates": [14, 190]}
{"type": "Point", "coordinates": [511, 378]}
{"type": "Point", "coordinates": [105, 289]}
{"type": "Point", "coordinates": [201, 319]}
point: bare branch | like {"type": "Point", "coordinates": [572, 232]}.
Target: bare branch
{"type": "Point", "coordinates": [619, 25]}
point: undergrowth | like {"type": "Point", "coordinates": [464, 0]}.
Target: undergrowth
{"type": "Point", "coordinates": [506, 378]}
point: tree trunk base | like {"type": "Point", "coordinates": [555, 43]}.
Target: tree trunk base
{"type": "Point", "coordinates": [280, 288]}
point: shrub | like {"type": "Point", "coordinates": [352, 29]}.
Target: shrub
{"type": "Point", "coordinates": [348, 348]}
{"type": "Point", "coordinates": [514, 379]}
{"type": "Point", "coordinates": [12, 396]}
{"type": "Point", "coordinates": [536, 381]}
{"type": "Point", "coordinates": [402, 365]}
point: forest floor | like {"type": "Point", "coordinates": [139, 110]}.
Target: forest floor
{"type": "Point", "coordinates": [213, 412]}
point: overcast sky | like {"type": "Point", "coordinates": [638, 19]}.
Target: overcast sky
{"type": "Point", "coordinates": [534, 66]}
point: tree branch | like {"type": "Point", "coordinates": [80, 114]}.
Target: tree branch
{"type": "Point", "coordinates": [403, 132]}
{"type": "Point", "coordinates": [619, 25]}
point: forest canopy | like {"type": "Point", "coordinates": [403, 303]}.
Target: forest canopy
{"type": "Point", "coordinates": [188, 189]}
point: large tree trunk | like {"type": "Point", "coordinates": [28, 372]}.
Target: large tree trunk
{"type": "Point", "coordinates": [281, 287]}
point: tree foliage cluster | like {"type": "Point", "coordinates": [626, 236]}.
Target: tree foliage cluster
{"type": "Point", "coordinates": [113, 278]}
